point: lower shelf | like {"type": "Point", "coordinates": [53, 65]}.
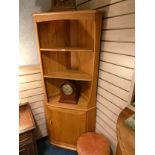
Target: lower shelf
{"type": "Point", "coordinates": [82, 104]}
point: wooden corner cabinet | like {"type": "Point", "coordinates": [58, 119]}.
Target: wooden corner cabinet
{"type": "Point", "coordinates": [68, 44]}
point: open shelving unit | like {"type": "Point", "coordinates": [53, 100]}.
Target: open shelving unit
{"type": "Point", "coordinates": [68, 45]}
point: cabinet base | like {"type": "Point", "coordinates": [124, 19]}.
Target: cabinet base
{"type": "Point", "coordinates": [66, 146]}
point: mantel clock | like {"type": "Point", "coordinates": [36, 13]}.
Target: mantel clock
{"type": "Point", "coordinates": [63, 5]}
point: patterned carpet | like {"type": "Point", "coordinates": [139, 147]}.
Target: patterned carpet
{"type": "Point", "coordinates": [44, 148]}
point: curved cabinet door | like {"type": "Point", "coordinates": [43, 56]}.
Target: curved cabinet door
{"type": "Point", "coordinates": [65, 126]}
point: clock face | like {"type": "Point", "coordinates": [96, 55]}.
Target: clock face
{"type": "Point", "coordinates": [67, 89]}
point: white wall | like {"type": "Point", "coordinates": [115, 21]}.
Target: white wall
{"type": "Point", "coordinates": [31, 91]}
{"type": "Point", "coordinates": [117, 58]}
{"type": "Point", "coordinates": [27, 43]}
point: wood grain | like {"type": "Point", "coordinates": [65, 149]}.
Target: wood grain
{"type": "Point", "coordinates": [42, 17]}
{"type": "Point", "coordinates": [127, 145]}
{"type": "Point", "coordinates": [67, 123]}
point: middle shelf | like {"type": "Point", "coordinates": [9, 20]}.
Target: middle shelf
{"type": "Point", "coordinates": [53, 92]}
{"type": "Point", "coordinates": [68, 65]}
{"type": "Point", "coordinates": [69, 74]}
{"type": "Point", "coordinates": [63, 49]}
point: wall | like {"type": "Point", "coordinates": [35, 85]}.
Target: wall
{"type": "Point", "coordinates": [31, 90]}
{"type": "Point", "coordinates": [117, 57]}
{"type": "Point", "coordinates": [27, 45]}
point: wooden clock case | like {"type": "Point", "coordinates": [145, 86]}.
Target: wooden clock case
{"type": "Point", "coordinates": [73, 97]}
{"type": "Point", "coordinates": [62, 5]}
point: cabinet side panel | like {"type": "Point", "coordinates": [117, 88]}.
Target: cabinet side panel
{"type": "Point", "coordinates": [97, 36]}
{"type": "Point", "coordinates": [91, 119]}
{"type": "Point", "coordinates": [39, 57]}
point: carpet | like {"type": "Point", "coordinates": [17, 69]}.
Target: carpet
{"type": "Point", "coordinates": [45, 148]}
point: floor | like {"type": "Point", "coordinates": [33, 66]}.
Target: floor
{"type": "Point", "coordinates": [44, 148]}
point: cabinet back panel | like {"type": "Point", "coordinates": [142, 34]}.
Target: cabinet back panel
{"type": "Point", "coordinates": [53, 34]}
{"type": "Point", "coordinates": [53, 87]}
{"type": "Point", "coordinates": [62, 61]}
{"type": "Point", "coordinates": [66, 33]}
{"type": "Point", "coordinates": [55, 61]}
{"type": "Point", "coordinates": [85, 89]}
{"type": "Point", "coordinates": [82, 61]}
{"type": "Point", "coordinates": [81, 33]}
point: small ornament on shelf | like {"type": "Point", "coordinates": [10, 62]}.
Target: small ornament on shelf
{"type": "Point", "coordinates": [62, 5]}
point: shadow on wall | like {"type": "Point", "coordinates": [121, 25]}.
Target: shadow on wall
{"type": "Point", "coordinates": [42, 6]}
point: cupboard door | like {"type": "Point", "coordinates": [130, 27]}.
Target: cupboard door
{"type": "Point", "coordinates": [64, 125]}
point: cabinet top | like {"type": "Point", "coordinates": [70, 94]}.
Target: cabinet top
{"type": "Point", "coordinates": [70, 15]}
{"type": "Point", "coordinates": [26, 121]}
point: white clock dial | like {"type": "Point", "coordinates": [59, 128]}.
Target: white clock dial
{"type": "Point", "coordinates": [67, 89]}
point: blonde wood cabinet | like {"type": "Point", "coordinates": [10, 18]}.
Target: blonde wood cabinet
{"type": "Point", "coordinates": [68, 44]}
{"type": "Point", "coordinates": [65, 125]}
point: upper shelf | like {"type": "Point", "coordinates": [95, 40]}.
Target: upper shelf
{"type": "Point", "coordinates": [63, 49]}
{"type": "Point", "coordinates": [70, 74]}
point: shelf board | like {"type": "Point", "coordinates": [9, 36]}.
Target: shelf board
{"type": "Point", "coordinates": [82, 103]}
{"type": "Point", "coordinates": [70, 74]}
{"type": "Point", "coordinates": [64, 49]}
